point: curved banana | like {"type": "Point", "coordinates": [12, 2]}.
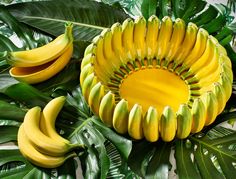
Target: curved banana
{"type": "Point", "coordinates": [120, 117]}
{"type": "Point", "coordinates": [44, 54]}
{"type": "Point", "coordinates": [135, 122]}
{"type": "Point", "coordinates": [139, 37]}
{"type": "Point", "coordinates": [34, 156]}
{"type": "Point", "coordinates": [48, 118]}
{"type": "Point", "coordinates": [168, 124]}
{"type": "Point", "coordinates": [88, 84]}
{"type": "Point", "coordinates": [43, 143]}
{"type": "Point", "coordinates": [220, 96]}
{"type": "Point", "coordinates": [151, 125]}
{"type": "Point", "coordinates": [106, 108]}
{"type": "Point", "coordinates": [43, 72]}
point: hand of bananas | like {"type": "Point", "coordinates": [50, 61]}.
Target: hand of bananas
{"type": "Point", "coordinates": [38, 140]}
{"type": "Point", "coordinates": [157, 78]}
{"type": "Point", "coordinates": [39, 64]}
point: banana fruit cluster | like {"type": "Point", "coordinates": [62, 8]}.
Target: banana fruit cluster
{"type": "Point", "coordinates": [157, 78]}
{"type": "Point", "coordinates": [38, 140]}
{"type": "Point", "coordinates": [40, 64]}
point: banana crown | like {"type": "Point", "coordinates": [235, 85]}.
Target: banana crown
{"type": "Point", "coordinates": [156, 78]}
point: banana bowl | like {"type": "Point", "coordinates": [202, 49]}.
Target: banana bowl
{"type": "Point", "coordinates": [157, 78]}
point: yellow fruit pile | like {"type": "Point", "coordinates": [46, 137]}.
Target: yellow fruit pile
{"type": "Point", "coordinates": [38, 140]}
{"type": "Point", "coordinates": [157, 78]}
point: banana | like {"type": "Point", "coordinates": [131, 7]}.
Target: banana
{"type": "Point", "coordinates": [197, 51]}
{"type": "Point", "coordinates": [88, 84]}
{"type": "Point", "coordinates": [211, 105]}
{"type": "Point", "coordinates": [41, 142]}
{"type": "Point", "coordinates": [175, 41]}
{"type": "Point", "coordinates": [106, 108]}
{"type": "Point", "coordinates": [198, 113]}
{"type": "Point", "coordinates": [135, 122]}
{"type": "Point", "coordinates": [152, 35]}
{"type": "Point", "coordinates": [34, 156]}
{"type": "Point", "coordinates": [37, 74]}
{"type": "Point", "coordinates": [184, 121]}
{"type": "Point", "coordinates": [85, 71]}
{"type": "Point", "coordinates": [89, 58]}
{"type": "Point", "coordinates": [49, 116]}
{"type": "Point", "coordinates": [227, 85]}
{"type": "Point", "coordinates": [186, 46]}
{"type": "Point", "coordinates": [163, 38]}
{"type": "Point", "coordinates": [95, 96]}
{"type": "Point", "coordinates": [219, 92]}
{"type": "Point", "coordinates": [44, 54]}
{"type": "Point", "coordinates": [90, 49]}
{"type": "Point", "coordinates": [139, 37]}
{"type": "Point", "coordinates": [120, 117]}
{"type": "Point", "coordinates": [151, 124]}
{"type": "Point", "coordinates": [168, 124]}
{"type": "Point", "coordinates": [227, 70]}
{"type": "Point", "coordinates": [128, 39]}
{"type": "Point", "coordinates": [116, 42]}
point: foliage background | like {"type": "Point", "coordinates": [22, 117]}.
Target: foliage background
{"type": "Point", "coordinates": [209, 154]}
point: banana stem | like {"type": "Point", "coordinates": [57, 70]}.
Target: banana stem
{"type": "Point", "coordinates": [68, 30]}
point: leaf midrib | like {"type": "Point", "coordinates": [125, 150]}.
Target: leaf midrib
{"type": "Point", "coordinates": [64, 21]}
{"type": "Point", "coordinates": [212, 148]}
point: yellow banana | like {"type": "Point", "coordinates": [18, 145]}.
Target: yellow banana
{"type": "Point", "coordinates": [34, 156]}
{"type": "Point", "coordinates": [95, 96]}
{"type": "Point", "coordinates": [49, 116]}
{"type": "Point", "coordinates": [211, 106]}
{"type": "Point", "coordinates": [175, 41]}
{"type": "Point", "coordinates": [220, 96]}
{"type": "Point", "coordinates": [186, 46]}
{"type": "Point", "coordinates": [168, 124]}
{"type": "Point", "coordinates": [184, 121]}
{"type": "Point", "coordinates": [164, 38]}
{"type": "Point", "coordinates": [139, 37]}
{"type": "Point", "coordinates": [135, 122]}
{"type": "Point", "coordinates": [227, 85]}
{"type": "Point", "coordinates": [151, 125]}
{"type": "Point", "coordinates": [43, 143]}
{"type": "Point", "coordinates": [120, 117]}
{"type": "Point", "coordinates": [44, 54]}
{"type": "Point", "coordinates": [106, 108]}
{"type": "Point", "coordinates": [37, 74]}
{"type": "Point", "coordinates": [198, 115]}
{"type": "Point", "coordinates": [152, 35]}
{"type": "Point", "coordinates": [89, 58]}
{"type": "Point", "coordinates": [88, 84]}
{"type": "Point", "coordinates": [85, 71]}
{"type": "Point", "coordinates": [128, 39]}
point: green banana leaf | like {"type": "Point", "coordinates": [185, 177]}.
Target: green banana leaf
{"type": "Point", "coordinates": [208, 154]}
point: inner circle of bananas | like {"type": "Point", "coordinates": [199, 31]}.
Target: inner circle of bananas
{"type": "Point", "coordinates": [156, 79]}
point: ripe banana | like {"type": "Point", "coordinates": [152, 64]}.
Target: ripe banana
{"type": "Point", "coordinates": [151, 125]}
{"type": "Point", "coordinates": [41, 142]}
{"type": "Point", "coordinates": [219, 92]}
{"type": "Point", "coordinates": [43, 72]}
{"type": "Point", "coordinates": [135, 122]}
{"type": "Point", "coordinates": [44, 54]}
{"type": "Point", "coordinates": [33, 155]}
{"type": "Point", "coordinates": [88, 84]}
{"type": "Point", "coordinates": [85, 71]}
{"type": "Point", "coordinates": [168, 124]}
{"type": "Point", "coordinates": [106, 108]}
{"type": "Point", "coordinates": [49, 116]}
{"type": "Point", "coordinates": [152, 35]}
{"type": "Point", "coordinates": [139, 37]}
{"type": "Point", "coordinates": [120, 117]}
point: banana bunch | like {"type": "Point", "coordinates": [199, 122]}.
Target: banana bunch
{"type": "Point", "coordinates": [157, 78]}
{"type": "Point", "coordinates": [38, 140]}
{"type": "Point", "coordinates": [39, 64]}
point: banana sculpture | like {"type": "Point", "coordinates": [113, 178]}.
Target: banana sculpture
{"type": "Point", "coordinates": [156, 79]}
{"type": "Point", "coordinates": [38, 140]}
{"type": "Point", "coordinates": [39, 64]}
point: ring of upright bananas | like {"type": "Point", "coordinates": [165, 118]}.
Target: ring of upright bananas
{"type": "Point", "coordinates": [156, 79]}
{"type": "Point", "coordinates": [38, 140]}
{"type": "Point", "coordinates": [40, 64]}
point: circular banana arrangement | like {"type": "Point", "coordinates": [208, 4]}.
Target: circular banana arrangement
{"type": "Point", "coordinates": [157, 78]}
{"type": "Point", "coordinates": [38, 140]}
{"type": "Point", "coordinates": [39, 64]}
